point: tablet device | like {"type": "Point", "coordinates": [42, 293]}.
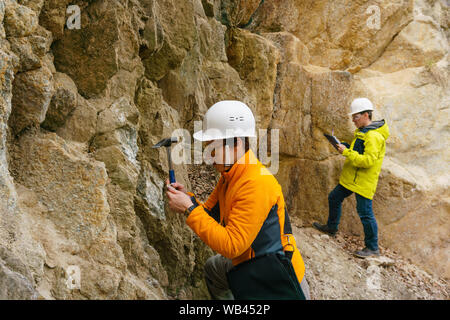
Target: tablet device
{"type": "Point", "coordinates": [333, 140]}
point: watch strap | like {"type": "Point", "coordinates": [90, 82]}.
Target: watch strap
{"type": "Point", "coordinates": [188, 211]}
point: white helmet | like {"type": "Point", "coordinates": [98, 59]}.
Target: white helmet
{"type": "Point", "coordinates": [227, 119]}
{"type": "Point", "coordinates": [360, 105]}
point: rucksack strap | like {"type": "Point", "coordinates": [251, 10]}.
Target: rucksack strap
{"type": "Point", "coordinates": [287, 232]}
{"type": "Point", "coordinates": [287, 223]}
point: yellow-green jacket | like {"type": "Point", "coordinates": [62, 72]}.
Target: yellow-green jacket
{"type": "Point", "coordinates": [364, 158]}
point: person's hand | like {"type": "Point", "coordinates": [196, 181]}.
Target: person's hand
{"type": "Point", "coordinates": [177, 186]}
{"type": "Point", "coordinates": [178, 200]}
{"type": "Point", "coordinates": [341, 148]}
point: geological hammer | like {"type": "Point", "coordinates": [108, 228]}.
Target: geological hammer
{"type": "Point", "coordinates": [168, 143]}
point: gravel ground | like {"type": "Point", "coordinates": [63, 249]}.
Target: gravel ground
{"type": "Point", "coordinates": [334, 273]}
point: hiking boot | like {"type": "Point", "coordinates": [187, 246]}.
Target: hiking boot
{"type": "Point", "coordinates": [324, 228]}
{"type": "Point", "coordinates": [366, 252]}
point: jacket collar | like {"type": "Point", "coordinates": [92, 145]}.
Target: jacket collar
{"type": "Point", "coordinates": [374, 125]}
{"type": "Point", "coordinates": [247, 160]}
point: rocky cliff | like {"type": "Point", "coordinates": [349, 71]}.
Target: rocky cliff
{"type": "Point", "coordinates": [84, 97]}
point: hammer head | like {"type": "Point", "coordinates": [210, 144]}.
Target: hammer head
{"type": "Point", "coordinates": [166, 142]}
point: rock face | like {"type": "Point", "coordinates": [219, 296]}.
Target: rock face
{"type": "Point", "coordinates": [82, 205]}
{"type": "Point", "coordinates": [32, 93]}
{"type": "Point", "coordinates": [338, 34]}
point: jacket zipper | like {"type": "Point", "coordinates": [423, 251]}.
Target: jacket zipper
{"type": "Point", "coordinates": [356, 172]}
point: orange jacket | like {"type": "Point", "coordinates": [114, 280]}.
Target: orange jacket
{"type": "Point", "coordinates": [244, 216]}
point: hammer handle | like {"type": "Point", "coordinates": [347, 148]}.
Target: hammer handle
{"type": "Point", "coordinates": [172, 176]}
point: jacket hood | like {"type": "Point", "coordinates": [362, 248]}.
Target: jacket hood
{"type": "Point", "coordinates": [379, 126]}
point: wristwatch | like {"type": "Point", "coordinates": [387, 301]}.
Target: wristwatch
{"type": "Point", "coordinates": [188, 211]}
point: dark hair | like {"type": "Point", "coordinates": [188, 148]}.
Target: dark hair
{"type": "Point", "coordinates": [369, 112]}
{"type": "Point", "coordinates": [233, 142]}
